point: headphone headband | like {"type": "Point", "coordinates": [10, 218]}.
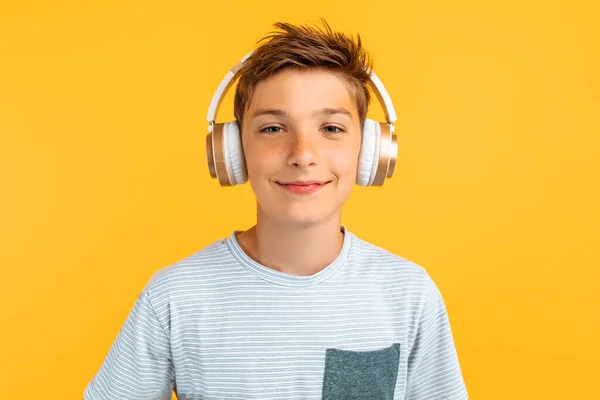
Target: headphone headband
{"type": "Point", "coordinates": [374, 83]}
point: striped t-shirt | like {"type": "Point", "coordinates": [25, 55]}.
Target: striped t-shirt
{"type": "Point", "coordinates": [219, 325]}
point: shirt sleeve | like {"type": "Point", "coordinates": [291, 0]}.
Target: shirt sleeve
{"type": "Point", "coordinates": [433, 368]}
{"type": "Point", "coordinates": [139, 363]}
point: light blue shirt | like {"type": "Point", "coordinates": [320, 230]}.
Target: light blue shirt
{"type": "Point", "coordinates": [219, 325]}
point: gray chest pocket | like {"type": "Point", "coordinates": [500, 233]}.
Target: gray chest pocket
{"type": "Point", "coordinates": [361, 374]}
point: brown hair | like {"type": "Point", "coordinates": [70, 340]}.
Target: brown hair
{"type": "Point", "coordinates": [304, 47]}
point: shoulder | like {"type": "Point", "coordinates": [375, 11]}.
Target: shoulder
{"type": "Point", "coordinates": [184, 276]}
{"type": "Point", "coordinates": [398, 273]}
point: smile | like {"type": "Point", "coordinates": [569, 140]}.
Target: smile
{"type": "Point", "coordinates": [303, 188]}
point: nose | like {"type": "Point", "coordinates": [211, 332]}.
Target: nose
{"type": "Point", "coordinates": [303, 152]}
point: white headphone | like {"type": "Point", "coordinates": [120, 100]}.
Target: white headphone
{"type": "Point", "coordinates": [225, 156]}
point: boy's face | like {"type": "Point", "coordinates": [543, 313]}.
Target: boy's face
{"type": "Point", "coordinates": [301, 126]}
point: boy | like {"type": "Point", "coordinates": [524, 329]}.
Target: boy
{"type": "Point", "coordinates": [296, 307]}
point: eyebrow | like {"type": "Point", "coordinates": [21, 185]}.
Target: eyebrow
{"type": "Point", "coordinates": [284, 114]}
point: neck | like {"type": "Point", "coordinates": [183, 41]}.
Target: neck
{"type": "Point", "coordinates": [300, 250]}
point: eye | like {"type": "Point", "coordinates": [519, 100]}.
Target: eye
{"type": "Point", "coordinates": [332, 129]}
{"type": "Point", "coordinates": [266, 130]}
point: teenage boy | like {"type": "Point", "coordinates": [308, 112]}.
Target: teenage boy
{"type": "Point", "coordinates": [297, 306]}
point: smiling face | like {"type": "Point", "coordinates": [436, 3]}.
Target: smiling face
{"type": "Point", "coordinates": [301, 126]}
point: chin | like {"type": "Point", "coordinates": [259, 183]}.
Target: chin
{"type": "Point", "coordinates": [305, 216]}
{"type": "Point", "coordinates": [303, 211]}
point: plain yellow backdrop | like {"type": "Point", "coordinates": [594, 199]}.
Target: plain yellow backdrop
{"type": "Point", "coordinates": [104, 181]}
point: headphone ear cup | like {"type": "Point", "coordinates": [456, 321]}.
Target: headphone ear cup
{"type": "Point", "coordinates": [225, 155]}
{"type": "Point", "coordinates": [235, 153]}
{"type": "Point", "coordinates": [387, 153]}
{"type": "Point", "coordinates": [369, 153]}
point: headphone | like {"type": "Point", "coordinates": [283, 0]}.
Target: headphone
{"type": "Point", "coordinates": [225, 156]}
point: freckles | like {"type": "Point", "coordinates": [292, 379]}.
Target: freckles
{"type": "Point", "coordinates": [262, 159]}
{"type": "Point", "coordinates": [270, 152]}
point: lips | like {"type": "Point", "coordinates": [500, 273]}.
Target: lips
{"type": "Point", "coordinates": [303, 187]}
{"type": "Point", "coordinates": [304, 182]}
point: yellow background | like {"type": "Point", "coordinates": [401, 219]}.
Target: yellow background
{"type": "Point", "coordinates": [104, 181]}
